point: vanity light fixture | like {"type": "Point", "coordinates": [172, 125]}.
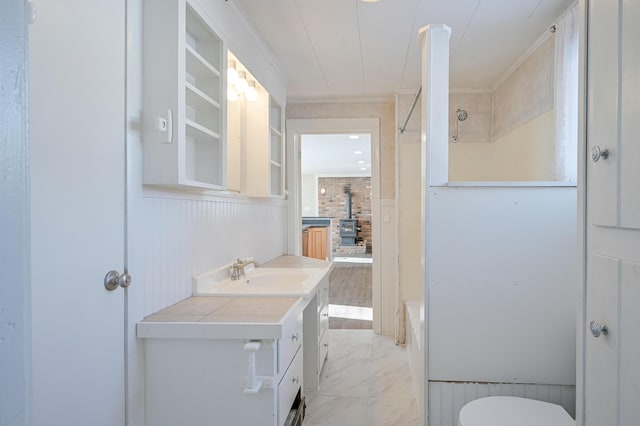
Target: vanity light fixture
{"type": "Point", "coordinates": [354, 137]}
{"type": "Point", "coordinates": [231, 94]}
{"type": "Point", "coordinates": [232, 72]}
{"type": "Point", "coordinates": [241, 83]}
{"type": "Point", "coordinates": [357, 152]}
{"type": "Point", "coordinates": [363, 168]}
{"type": "Point", "coordinates": [360, 161]}
{"type": "Point", "coordinates": [251, 93]}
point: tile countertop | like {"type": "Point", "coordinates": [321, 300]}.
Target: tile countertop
{"type": "Point", "coordinates": [221, 318]}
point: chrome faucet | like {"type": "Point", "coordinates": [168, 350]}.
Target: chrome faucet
{"type": "Point", "coordinates": [237, 269]}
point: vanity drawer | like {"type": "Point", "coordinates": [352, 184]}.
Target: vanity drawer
{"type": "Point", "coordinates": [323, 350]}
{"type": "Point", "coordinates": [288, 388]}
{"type": "Point", "coordinates": [290, 342]}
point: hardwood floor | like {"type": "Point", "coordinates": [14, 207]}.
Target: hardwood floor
{"type": "Point", "coordinates": [349, 293]}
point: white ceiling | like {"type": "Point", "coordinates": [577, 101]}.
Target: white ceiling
{"type": "Point", "coordinates": [339, 49]}
{"type": "Point", "coordinates": [336, 155]}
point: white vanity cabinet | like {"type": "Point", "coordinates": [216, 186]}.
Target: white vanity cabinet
{"type": "Point", "coordinates": [200, 361]}
{"type": "Point", "coordinates": [183, 79]}
{"type": "Point", "coordinates": [316, 324]}
{"type": "Point", "coordinates": [313, 291]}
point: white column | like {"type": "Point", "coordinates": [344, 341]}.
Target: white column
{"type": "Point", "coordinates": [435, 102]}
{"type": "Point", "coordinates": [434, 141]}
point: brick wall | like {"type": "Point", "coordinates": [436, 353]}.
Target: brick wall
{"type": "Point", "coordinates": [333, 204]}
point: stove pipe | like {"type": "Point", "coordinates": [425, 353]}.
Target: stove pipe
{"type": "Point", "coordinates": [347, 191]}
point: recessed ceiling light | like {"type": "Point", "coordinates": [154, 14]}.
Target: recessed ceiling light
{"type": "Point", "coordinates": [357, 152]}
{"type": "Point", "coordinates": [360, 161]}
{"type": "Point", "coordinates": [354, 137]}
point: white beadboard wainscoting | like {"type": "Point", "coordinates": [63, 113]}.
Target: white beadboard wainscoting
{"type": "Point", "coordinates": [446, 398]}
{"type": "Point", "coordinates": [186, 235]}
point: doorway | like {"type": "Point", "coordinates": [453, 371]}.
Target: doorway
{"type": "Point", "coordinates": [336, 204]}
{"type": "Point", "coordinates": [297, 129]}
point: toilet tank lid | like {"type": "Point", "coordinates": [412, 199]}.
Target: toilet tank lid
{"type": "Point", "coordinates": [511, 410]}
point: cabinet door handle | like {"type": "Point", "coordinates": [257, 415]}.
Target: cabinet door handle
{"type": "Point", "coordinates": [597, 153]}
{"type": "Point", "coordinates": [597, 329]}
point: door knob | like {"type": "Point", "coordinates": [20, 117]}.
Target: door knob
{"type": "Point", "coordinates": [114, 279]}
{"type": "Point", "coordinates": [597, 153]}
{"type": "Point", "coordinates": [597, 329]}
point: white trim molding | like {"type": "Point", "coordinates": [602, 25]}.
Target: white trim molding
{"type": "Point", "coordinates": [297, 127]}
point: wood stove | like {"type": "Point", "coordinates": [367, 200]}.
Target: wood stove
{"type": "Point", "coordinates": [348, 231]}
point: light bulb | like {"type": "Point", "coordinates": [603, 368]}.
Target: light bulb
{"type": "Point", "coordinates": [251, 93]}
{"type": "Point", "coordinates": [232, 95]}
{"type": "Point", "coordinates": [241, 84]}
{"type": "Point", "coordinates": [232, 73]}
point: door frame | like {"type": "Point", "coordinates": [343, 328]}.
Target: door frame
{"type": "Point", "coordinates": [15, 218]}
{"type": "Point", "coordinates": [295, 128]}
{"type": "Point", "coordinates": [582, 211]}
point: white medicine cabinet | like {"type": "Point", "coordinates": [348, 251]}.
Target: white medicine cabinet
{"type": "Point", "coordinates": [198, 130]}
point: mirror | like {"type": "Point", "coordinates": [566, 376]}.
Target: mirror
{"type": "Point", "coordinates": [242, 90]}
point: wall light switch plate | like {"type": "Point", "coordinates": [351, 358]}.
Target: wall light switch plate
{"type": "Point", "coordinates": [162, 124]}
{"type": "Point", "coordinates": [165, 126]}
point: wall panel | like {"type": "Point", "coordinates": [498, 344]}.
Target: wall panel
{"type": "Point", "coordinates": [185, 236]}
{"type": "Point", "coordinates": [446, 398]}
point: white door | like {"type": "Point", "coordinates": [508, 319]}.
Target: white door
{"type": "Point", "coordinates": [611, 359]}
{"type": "Point", "coordinates": [77, 130]}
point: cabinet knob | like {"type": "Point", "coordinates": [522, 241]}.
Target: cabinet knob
{"type": "Point", "coordinates": [597, 153]}
{"type": "Point", "coordinates": [597, 329]}
{"type": "Point", "coordinates": [295, 380]}
{"type": "Point", "coordinates": [295, 337]}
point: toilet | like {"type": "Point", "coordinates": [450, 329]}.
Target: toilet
{"type": "Point", "coordinates": [513, 411]}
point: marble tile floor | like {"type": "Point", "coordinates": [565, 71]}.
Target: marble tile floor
{"type": "Point", "coordinates": [365, 381]}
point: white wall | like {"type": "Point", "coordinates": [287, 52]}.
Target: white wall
{"type": "Point", "coordinates": [503, 269]}
{"type": "Point", "coordinates": [502, 286]}
{"type": "Point", "coordinates": [504, 138]}
{"type": "Point", "coordinates": [524, 154]}
{"type": "Point", "coordinates": [15, 346]}
{"type": "Point", "coordinates": [533, 141]}
{"type": "Point", "coordinates": [309, 195]}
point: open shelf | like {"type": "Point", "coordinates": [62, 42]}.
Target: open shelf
{"type": "Point", "coordinates": [184, 86]}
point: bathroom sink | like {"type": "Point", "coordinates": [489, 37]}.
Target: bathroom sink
{"type": "Point", "coordinates": [275, 282]}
